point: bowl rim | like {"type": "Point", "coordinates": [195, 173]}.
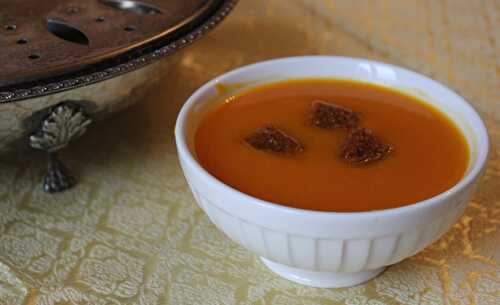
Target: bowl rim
{"type": "Point", "coordinates": [185, 154]}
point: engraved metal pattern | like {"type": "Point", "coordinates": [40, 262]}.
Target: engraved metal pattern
{"type": "Point", "coordinates": [64, 123]}
{"type": "Point", "coordinates": [133, 64]}
{"type": "Point", "coordinates": [58, 177]}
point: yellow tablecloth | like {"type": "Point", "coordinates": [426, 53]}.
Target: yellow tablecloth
{"type": "Point", "coordinates": [131, 233]}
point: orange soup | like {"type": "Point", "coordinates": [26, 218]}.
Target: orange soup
{"type": "Point", "coordinates": [420, 152]}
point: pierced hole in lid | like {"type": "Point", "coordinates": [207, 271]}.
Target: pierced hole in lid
{"type": "Point", "coordinates": [10, 27]}
{"type": "Point", "coordinates": [66, 32]}
{"type": "Point", "coordinates": [99, 19]}
{"type": "Point", "coordinates": [34, 56]}
{"type": "Point", "coordinates": [137, 7]}
{"type": "Point", "coordinates": [129, 28]}
{"type": "Point", "coordinates": [22, 41]}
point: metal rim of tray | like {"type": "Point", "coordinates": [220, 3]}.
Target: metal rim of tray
{"type": "Point", "coordinates": [130, 61]}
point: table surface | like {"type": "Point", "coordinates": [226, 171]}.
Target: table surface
{"type": "Point", "coordinates": [131, 233]}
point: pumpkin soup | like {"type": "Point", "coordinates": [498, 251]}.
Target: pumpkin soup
{"type": "Point", "coordinates": [331, 145]}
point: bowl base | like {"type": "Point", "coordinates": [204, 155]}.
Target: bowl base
{"type": "Point", "coordinates": [321, 279]}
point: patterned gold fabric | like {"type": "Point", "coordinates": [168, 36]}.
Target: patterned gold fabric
{"type": "Point", "coordinates": [131, 233]}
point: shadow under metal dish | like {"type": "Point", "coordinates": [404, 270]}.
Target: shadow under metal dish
{"type": "Point", "coordinates": [65, 64]}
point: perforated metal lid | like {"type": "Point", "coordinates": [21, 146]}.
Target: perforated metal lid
{"type": "Point", "coordinates": [49, 46]}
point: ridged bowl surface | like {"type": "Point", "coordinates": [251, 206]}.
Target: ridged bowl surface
{"type": "Point", "coordinates": [335, 244]}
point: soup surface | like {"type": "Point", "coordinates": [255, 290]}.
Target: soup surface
{"type": "Point", "coordinates": [428, 153]}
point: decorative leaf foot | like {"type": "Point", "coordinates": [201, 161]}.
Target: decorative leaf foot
{"type": "Point", "coordinates": [62, 124]}
{"type": "Point", "coordinates": [58, 177]}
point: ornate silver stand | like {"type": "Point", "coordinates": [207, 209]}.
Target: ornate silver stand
{"type": "Point", "coordinates": [63, 123]}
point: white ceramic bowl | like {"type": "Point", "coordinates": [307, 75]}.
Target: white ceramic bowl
{"type": "Point", "coordinates": [327, 249]}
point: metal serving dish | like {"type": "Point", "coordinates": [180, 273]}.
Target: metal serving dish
{"type": "Point", "coordinates": [65, 64]}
